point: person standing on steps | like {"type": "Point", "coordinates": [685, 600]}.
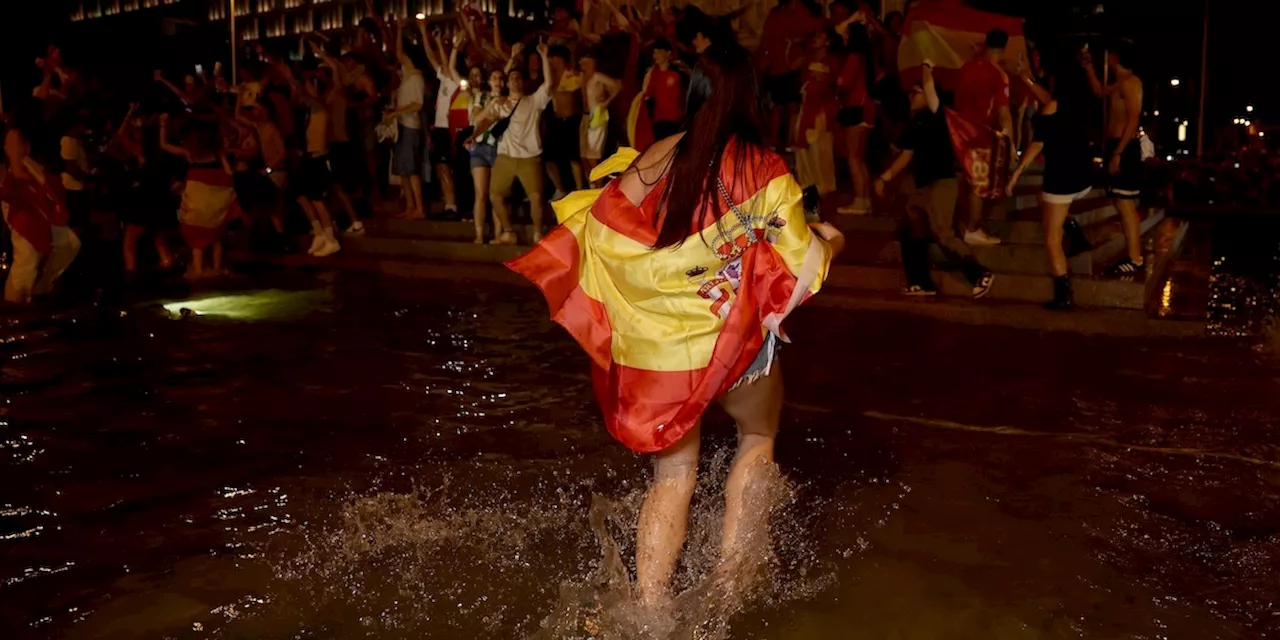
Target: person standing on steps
{"type": "Point", "coordinates": [1123, 153]}
{"type": "Point", "coordinates": [563, 147]}
{"type": "Point", "coordinates": [407, 158]}
{"type": "Point", "coordinates": [930, 214]}
{"type": "Point", "coordinates": [514, 120]}
{"type": "Point", "coordinates": [442, 143]}
{"type": "Point", "coordinates": [982, 96]}
{"type": "Point", "coordinates": [1060, 134]}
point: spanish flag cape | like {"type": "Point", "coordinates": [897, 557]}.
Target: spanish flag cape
{"type": "Point", "coordinates": [208, 204]}
{"type": "Point", "coordinates": [668, 330]}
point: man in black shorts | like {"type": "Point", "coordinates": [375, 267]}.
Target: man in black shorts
{"type": "Point", "coordinates": [1123, 160]}
{"type": "Point", "coordinates": [561, 146]}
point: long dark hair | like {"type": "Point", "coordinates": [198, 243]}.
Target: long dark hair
{"type": "Point", "coordinates": [724, 105]}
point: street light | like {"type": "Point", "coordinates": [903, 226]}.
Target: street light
{"type": "Point", "coordinates": [1174, 82]}
{"type": "Point", "coordinates": [1156, 113]}
{"type": "Point", "coordinates": [1249, 108]}
{"type": "Point", "coordinates": [421, 16]}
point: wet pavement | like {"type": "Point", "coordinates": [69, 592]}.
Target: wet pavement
{"type": "Point", "coordinates": [339, 455]}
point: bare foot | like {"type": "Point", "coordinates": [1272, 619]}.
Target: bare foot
{"type": "Point", "coordinates": [507, 238]}
{"type": "Point", "coordinates": [191, 274]}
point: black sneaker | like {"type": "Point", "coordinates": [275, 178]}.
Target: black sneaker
{"type": "Point", "coordinates": [1127, 267]}
{"type": "Point", "coordinates": [1061, 295]}
{"type": "Point", "coordinates": [983, 286]}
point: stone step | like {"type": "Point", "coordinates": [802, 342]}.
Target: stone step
{"type": "Point", "coordinates": [1020, 227]}
{"type": "Point", "coordinates": [1089, 292]}
{"type": "Point", "coordinates": [882, 247]}
{"type": "Point", "coordinates": [434, 249]}
{"type": "Point", "coordinates": [871, 277]}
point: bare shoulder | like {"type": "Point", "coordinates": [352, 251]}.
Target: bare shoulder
{"type": "Point", "coordinates": [644, 173]}
{"type": "Point", "coordinates": [1132, 83]}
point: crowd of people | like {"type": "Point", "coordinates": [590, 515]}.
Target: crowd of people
{"type": "Point", "coordinates": [518, 118]}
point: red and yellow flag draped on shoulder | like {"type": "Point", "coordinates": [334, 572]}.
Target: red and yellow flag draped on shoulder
{"type": "Point", "coordinates": [669, 330]}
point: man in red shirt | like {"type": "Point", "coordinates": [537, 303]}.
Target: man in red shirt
{"type": "Point", "coordinates": [665, 87]}
{"type": "Point", "coordinates": [982, 96]}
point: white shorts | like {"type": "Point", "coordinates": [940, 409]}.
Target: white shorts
{"type": "Point", "coordinates": [1057, 198]}
{"type": "Point", "coordinates": [593, 139]}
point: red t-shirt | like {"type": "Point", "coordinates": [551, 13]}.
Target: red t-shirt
{"type": "Point", "coordinates": [664, 87]}
{"type": "Point", "coordinates": [981, 91]}
{"type": "Point", "coordinates": [853, 81]}
{"type": "Point", "coordinates": [785, 26]}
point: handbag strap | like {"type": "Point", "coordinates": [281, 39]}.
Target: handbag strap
{"type": "Point", "coordinates": [743, 218]}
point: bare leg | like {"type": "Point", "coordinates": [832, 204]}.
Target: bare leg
{"type": "Point", "coordinates": [856, 138]}
{"type": "Point", "coordinates": [536, 205]}
{"type": "Point", "coordinates": [501, 214]}
{"type": "Point", "coordinates": [197, 268]}
{"type": "Point", "coordinates": [347, 204]}
{"type": "Point", "coordinates": [664, 517]}
{"type": "Point", "coordinates": [480, 176]}
{"type": "Point", "coordinates": [322, 213]}
{"type": "Point", "coordinates": [1054, 216]}
{"type": "Point", "coordinates": [975, 209]}
{"type": "Point", "coordinates": [579, 178]}
{"type": "Point", "coordinates": [216, 249]}
{"type": "Point", "coordinates": [446, 186]}
{"type": "Point", "coordinates": [588, 164]}
{"type": "Point", "coordinates": [132, 233]}
{"type": "Point", "coordinates": [162, 250]}
{"type": "Point", "coordinates": [756, 408]}
{"type": "Point", "coordinates": [557, 179]}
{"type": "Point", "coordinates": [1131, 220]}
{"type": "Point", "coordinates": [416, 210]}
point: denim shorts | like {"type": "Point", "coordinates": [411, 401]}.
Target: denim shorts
{"type": "Point", "coordinates": [408, 155]}
{"type": "Point", "coordinates": [763, 363]}
{"type": "Point", "coordinates": [483, 156]}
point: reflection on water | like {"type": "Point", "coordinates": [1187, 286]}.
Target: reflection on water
{"type": "Point", "coordinates": [380, 458]}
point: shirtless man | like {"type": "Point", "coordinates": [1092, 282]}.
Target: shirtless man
{"type": "Point", "coordinates": [1123, 152]}
{"type": "Point", "coordinates": [562, 145]}
{"type": "Point", "coordinates": [598, 90]}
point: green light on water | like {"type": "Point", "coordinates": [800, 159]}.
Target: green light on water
{"type": "Point", "coordinates": [253, 305]}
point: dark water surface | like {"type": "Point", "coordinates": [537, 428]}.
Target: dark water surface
{"type": "Point", "coordinates": [353, 457]}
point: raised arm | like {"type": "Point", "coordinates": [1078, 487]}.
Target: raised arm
{"type": "Point", "coordinates": [516, 50]}
{"type": "Point", "coordinates": [164, 140]}
{"type": "Point", "coordinates": [433, 56]}
{"type": "Point", "coordinates": [182, 95]}
{"type": "Point", "coordinates": [546, 66]}
{"type": "Point", "coordinates": [930, 87]}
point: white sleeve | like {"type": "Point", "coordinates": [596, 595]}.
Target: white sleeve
{"type": "Point", "coordinates": [542, 96]}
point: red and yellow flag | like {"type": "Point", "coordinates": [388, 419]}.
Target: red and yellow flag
{"type": "Point", "coordinates": [669, 330]}
{"type": "Point", "coordinates": [208, 204]}
{"type": "Point", "coordinates": [984, 154]}
{"type": "Point", "coordinates": [950, 34]}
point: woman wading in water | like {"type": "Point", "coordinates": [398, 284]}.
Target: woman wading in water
{"type": "Point", "coordinates": [675, 278]}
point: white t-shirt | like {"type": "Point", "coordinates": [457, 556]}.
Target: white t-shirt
{"type": "Point", "coordinates": [73, 153]}
{"type": "Point", "coordinates": [444, 99]}
{"type": "Point", "coordinates": [521, 139]}
{"type": "Point", "coordinates": [412, 90]}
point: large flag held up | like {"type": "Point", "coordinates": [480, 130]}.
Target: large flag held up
{"type": "Point", "coordinates": [983, 154]}
{"type": "Point", "coordinates": [951, 34]}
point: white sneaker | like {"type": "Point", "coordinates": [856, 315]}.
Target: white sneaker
{"type": "Point", "coordinates": [329, 247]}
{"type": "Point", "coordinates": [356, 229]}
{"type": "Point", "coordinates": [980, 238]}
{"type": "Point", "coordinates": [317, 241]}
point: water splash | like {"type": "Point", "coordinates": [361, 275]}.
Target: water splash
{"type": "Point", "coordinates": [558, 567]}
